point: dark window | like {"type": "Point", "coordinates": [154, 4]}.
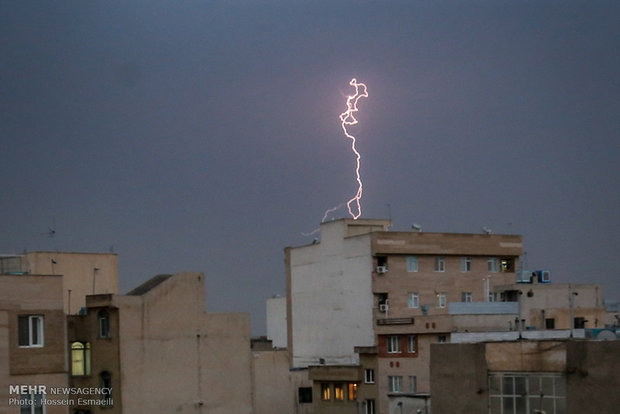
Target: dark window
{"type": "Point", "coordinates": [30, 330]}
{"type": "Point", "coordinates": [305, 394]}
{"type": "Point", "coordinates": [106, 382]}
{"type": "Point", "coordinates": [580, 323]}
{"type": "Point", "coordinates": [104, 324]}
{"type": "Point", "coordinates": [382, 261]}
{"type": "Point", "coordinates": [550, 323]}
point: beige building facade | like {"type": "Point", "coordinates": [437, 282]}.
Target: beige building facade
{"type": "Point", "coordinates": [32, 342]}
{"type": "Point", "coordinates": [162, 352]}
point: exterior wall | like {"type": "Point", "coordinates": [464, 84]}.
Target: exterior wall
{"type": "Point", "coordinates": [276, 321]}
{"type": "Point", "coordinates": [331, 302]}
{"type": "Point", "coordinates": [173, 354]}
{"type": "Point", "coordinates": [273, 387]}
{"type": "Point", "coordinates": [104, 351]}
{"type": "Point", "coordinates": [460, 383]}
{"type": "Point", "coordinates": [79, 274]}
{"type": "Point", "coordinates": [46, 365]}
{"type": "Point", "coordinates": [592, 380]}
{"type": "Point", "coordinates": [347, 378]}
{"type": "Point", "coordinates": [459, 379]}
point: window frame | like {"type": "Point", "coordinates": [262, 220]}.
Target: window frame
{"type": "Point", "coordinates": [413, 384]}
{"type": "Point", "coordinates": [413, 265]}
{"type": "Point", "coordinates": [35, 338]}
{"type": "Point", "coordinates": [369, 406]}
{"type": "Point", "coordinates": [395, 383]}
{"type": "Point", "coordinates": [393, 345]}
{"type": "Point", "coordinates": [33, 408]}
{"type": "Point", "coordinates": [413, 300]}
{"type": "Point", "coordinates": [440, 264]}
{"type": "Point", "coordinates": [103, 319]}
{"type": "Point", "coordinates": [369, 376]}
{"type": "Point", "coordinates": [326, 391]}
{"type": "Point", "coordinates": [466, 297]}
{"type": "Point", "coordinates": [442, 300]}
{"type": "Point", "coordinates": [493, 264]}
{"type": "Point", "coordinates": [85, 352]}
{"type": "Point", "coordinates": [412, 344]}
{"type": "Point", "coordinates": [466, 263]}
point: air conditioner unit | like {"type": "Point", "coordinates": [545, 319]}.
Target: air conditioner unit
{"type": "Point", "coordinates": [382, 269]}
{"type": "Point", "coordinates": [384, 307]}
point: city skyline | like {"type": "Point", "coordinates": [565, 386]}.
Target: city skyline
{"type": "Point", "coordinates": [206, 137]}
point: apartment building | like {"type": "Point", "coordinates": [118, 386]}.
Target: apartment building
{"type": "Point", "coordinates": [32, 342]}
{"type": "Point", "coordinates": [160, 351]}
{"type": "Point", "coordinates": [367, 295]}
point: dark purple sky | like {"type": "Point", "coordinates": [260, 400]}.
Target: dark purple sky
{"type": "Point", "coordinates": [204, 135]}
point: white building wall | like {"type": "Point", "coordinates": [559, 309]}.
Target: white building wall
{"type": "Point", "coordinates": [276, 321]}
{"type": "Point", "coordinates": [331, 296]}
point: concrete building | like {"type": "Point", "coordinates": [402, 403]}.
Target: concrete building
{"type": "Point", "coordinates": [160, 351]}
{"type": "Point", "coordinates": [376, 300]}
{"type": "Point", "coordinates": [276, 321]}
{"type": "Point", "coordinates": [528, 376]}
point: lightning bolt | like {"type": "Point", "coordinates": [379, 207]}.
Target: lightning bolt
{"type": "Point", "coordinates": [347, 118]}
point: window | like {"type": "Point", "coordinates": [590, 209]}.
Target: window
{"type": "Point", "coordinates": [441, 300]}
{"type": "Point", "coordinates": [579, 323]}
{"type": "Point", "coordinates": [30, 329]}
{"type": "Point", "coordinates": [369, 407]}
{"type": "Point", "coordinates": [326, 392]}
{"type": "Point", "coordinates": [413, 300]}
{"type": "Point", "coordinates": [465, 296]}
{"type": "Point", "coordinates": [507, 265]}
{"type": "Point", "coordinates": [515, 393]}
{"type": "Point", "coordinates": [393, 344]}
{"type": "Point", "coordinates": [412, 264]}
{"type": "Point", "coordinates": [305, 394]}
{"type": "Point", "coordinates": [105, 379]}
{"type": "Point", "coordinates": [411, 344]}
{"type": "Point", "coordinates": [442, 339]}
{"type": "Point", "coordinates": [339, 392]}
{"type": "Point", "coordinates": [80, 358]}
{"type": "Point", "coordinates": [352, 391]}
{"type": "Point", "coordinates": [550, 323]}
{"type": "Point", "coordinates": [34, 404]}
{"type": "Point", "coordinates": [413, 384]}
{"type": "Point", "coordinates": [493, 264]}
{"type": "Point", "coordinates": [369, 376]}
{"type": "Point", "coordinates": [104, 324]}
{"type": "Point", "coordinates": [395, 383]}
{"type": "Point", "coordinates": [440, 264]}
{"type": "Point", "coordinates": [465, 264]}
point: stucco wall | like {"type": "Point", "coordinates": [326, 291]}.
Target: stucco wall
{"type": "Point", "coordinates": [331, 297]}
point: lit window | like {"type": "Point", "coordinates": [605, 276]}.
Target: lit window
{"type": "Point", "coordinates": [507, 265]}
{"type": "Point", "coordinates": [80, 358]}
{"type": "Point", "coordinates": [465, 264]}
{"type": "Point", "coordinates": [413, 380]}
{"type": "Point", "coordinates": [395, 383]}
{"type": "Point", "coordinates": [369, 376]}
{"type": "Point", "coordinates": [411, 344]}
{"type": "Point", "coordinates": [493, 264]}
{"type": "Point", "coordinates": [30, 330]}
{"type": "Point", "coordinates": [104, 324]}
{"type": "Point", "coordinates": [441, 300]}
{"type": "Point", "coordinates": [440, 264]}
{"type": "Point", "coordinates": [393, 344]}
{"type": "Point", "coordinates": [33, 404]}
{"type": "Point", "coordinates": [465, 296]}
{"type": "Point", "coordinates": [352, 391]}
{"type": "Point", "coordinates": [413, 300]}
{"type": "Point", "coordinates": [339, 392]}
{"type": "Point", "coordinates": [369, 407]}
{"type": "Point", "coordinates": [326, 392]}
{"type": "Point", "coordinates": [412, 264]}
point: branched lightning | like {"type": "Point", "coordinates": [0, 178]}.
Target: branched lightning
{"type": "Point", "coordinates": [347, 118]}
